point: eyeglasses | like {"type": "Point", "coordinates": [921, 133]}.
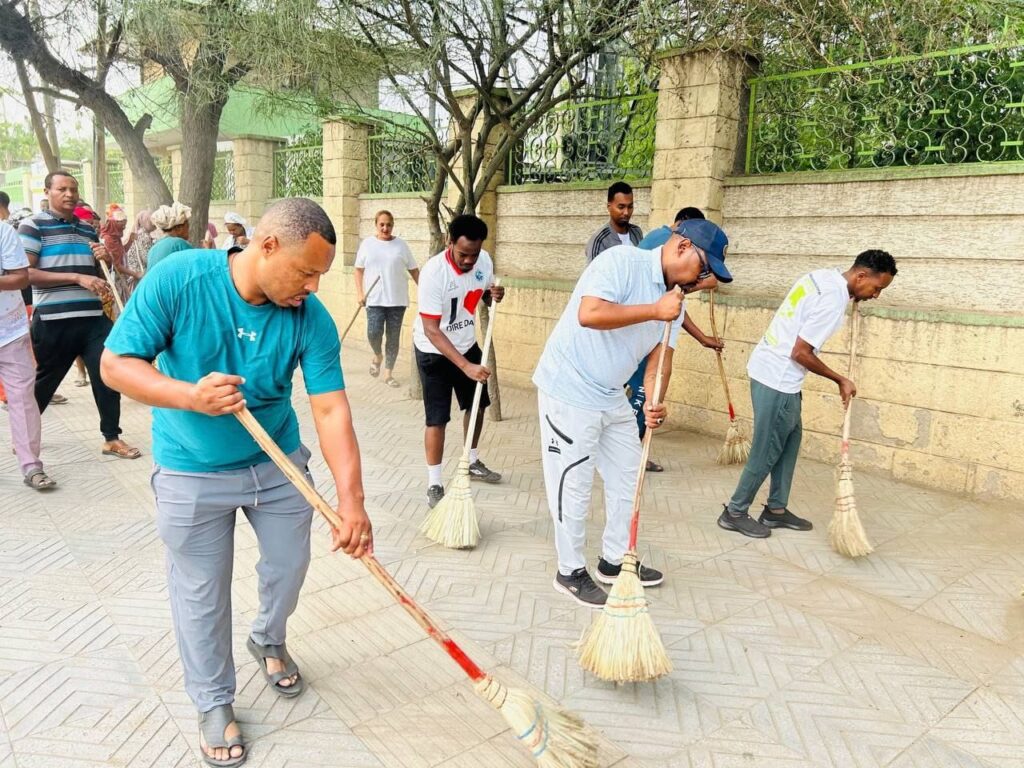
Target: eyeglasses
{"type": "Point", "coordinates": [705, 268]}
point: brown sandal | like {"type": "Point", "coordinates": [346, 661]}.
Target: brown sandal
{"type": "Point", "coordinates": [126, 452]}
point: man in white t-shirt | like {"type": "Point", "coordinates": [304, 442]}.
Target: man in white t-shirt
{"type": "Point", "coordinates": [614, 319]}
{"type": "Point", "coordinates": [17, 367]}
{"type": "Point", "coordinates": [813, 310]}
{"type": "Point", "coordinates": [384, 264]}
{"type": "Point", "coordinates": [451, 285]}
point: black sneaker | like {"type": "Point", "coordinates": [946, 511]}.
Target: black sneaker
{"type": "Point", "coordinates": [581, 588]}
{"type": "Point", "coordinates": [478, 471]}
{"type": "Point", "coordinates": [744, 524]}
{"type": "Point", "coordinates": [786, 520]}
{"type": "Point", "coordinates": [434, 494]}
{"type": "Point", "coordinates": [606, 573]}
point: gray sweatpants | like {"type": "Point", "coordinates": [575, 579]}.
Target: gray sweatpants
{"type": "Point", "coordinates": [196, 521]}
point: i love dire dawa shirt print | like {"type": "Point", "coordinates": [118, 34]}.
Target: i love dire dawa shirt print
{"type": "Point", "coordinates": [451, 296]}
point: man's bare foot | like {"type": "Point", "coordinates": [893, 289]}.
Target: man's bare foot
{"type": "Point", "coordinates": [224, 753]}
{"type": "Point", "coordinates": [277, 665]}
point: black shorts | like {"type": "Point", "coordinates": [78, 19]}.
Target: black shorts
{"type": "Point", "coordinates": [440, 377]}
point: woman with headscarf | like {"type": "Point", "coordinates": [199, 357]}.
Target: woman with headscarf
{"type": "Point", "coordinates": [172, 220]}
{"type": "Point", "coordinates": [139, 242]}
{"type": "Point", "coordinates": [112, 237]}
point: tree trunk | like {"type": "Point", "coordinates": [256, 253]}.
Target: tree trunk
{"type": "Point", "coordinates": [200, 121]}
{"type": "Point", "coordinates": [23, 43]}
{"type": "Point", "coordinates": [100, 192]}
{"type": "Point", "coordinates": [49, 157]}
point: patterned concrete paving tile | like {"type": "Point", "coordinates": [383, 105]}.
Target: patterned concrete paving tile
{"type": "Point", "coordinates": [830, 727]}
{"type": "Point", "coordinates": [985, 602]}
{"type": "Point", "coordinates": [986, 725]}
{"type": "Point", "coordinates": [737, 745]}
{"type": "Point", "coordinates": [929, 752]}
{"type": "Point", "coordinates": [754, 570]}
{"type": "Point", "coordinates": [844, 606]}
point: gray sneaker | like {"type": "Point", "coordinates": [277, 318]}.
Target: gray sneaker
{"type": "Point", "coordinates": [477, 471]}
{"type": "Point", "coordinates": [744, 524]}
{"type": "Point", "coordinates": [581, 588]}
{"type": "Point", "coordinates": [434, 494]}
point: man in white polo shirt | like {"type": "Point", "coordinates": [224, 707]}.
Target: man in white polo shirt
{"type": "Point", "coordinates": [614, 319]}
{"type": "Point", "coordinates": [451, 285]}
{"type": "Point", "coordinates": [811, 313]}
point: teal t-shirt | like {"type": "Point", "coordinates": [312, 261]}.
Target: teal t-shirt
{"type": "Point", "coordinates": [164, 247]}
{"type": "Point", "coordinates": [188, 311]}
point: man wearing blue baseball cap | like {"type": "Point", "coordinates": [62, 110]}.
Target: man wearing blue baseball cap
{"type": "Point", "coordinates": [614, 320]}
{"type": "Point", "coordinates": [635, 389]}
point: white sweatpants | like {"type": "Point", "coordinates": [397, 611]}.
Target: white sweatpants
{"type": "Point", "coordinates": [575, 442]}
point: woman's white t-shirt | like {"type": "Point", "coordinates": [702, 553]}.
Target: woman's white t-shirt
{"type": "Point", "coordinates": [390, 260]}
{"type": "Point", "coordinates": [814, 310]}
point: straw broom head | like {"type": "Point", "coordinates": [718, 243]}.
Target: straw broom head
{"type": "Point", "coordinates": [845, 532]}
{"type": "Point", "coordinates": [736, 447]}
{"type": "Point", "coordinates": [623, 645]}
{"type": "Point", "coordinates": [556, 738]}
{"type": "Point", "coordinates": [452, 523]}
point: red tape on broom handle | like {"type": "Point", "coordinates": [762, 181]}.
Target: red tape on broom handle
{"type": "Point", "coordinates": [645, 451]}
{"type": "Point", "coordinates": [298, 479]}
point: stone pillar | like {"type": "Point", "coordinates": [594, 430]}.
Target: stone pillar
{"type": "Point", "coordinates": [487, 205]}
{"type": "Point", "coordinates": [134, 197]}
{"type": "Point", "coordinates": [254, 176]}
{"type": "Point", "coordinates": [696, 145]}
{"type": "Point", "coordinates": [346, 172]}
{"type": "Point", "coordinates": [175, 155]}
{"type": "Point", "coordinates": [87, 184]}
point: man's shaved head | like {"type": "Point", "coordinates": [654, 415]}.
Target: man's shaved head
{"type": "Point", "coordinates": [294, 219]}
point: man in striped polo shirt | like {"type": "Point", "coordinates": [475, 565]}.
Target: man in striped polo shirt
{"type": "Point", "coordinates": [67, 288]}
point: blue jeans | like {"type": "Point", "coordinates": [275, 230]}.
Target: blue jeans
{"type": "Point", "coordinates": [379, 318]}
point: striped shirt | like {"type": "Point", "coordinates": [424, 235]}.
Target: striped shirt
{"type": "Point", "coordinates": [61, 246]}
{"type": "Point", "coordinates": [606, 238]}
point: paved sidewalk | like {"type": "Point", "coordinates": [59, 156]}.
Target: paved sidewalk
{"type": "Point", "coordinates": [785, 654]}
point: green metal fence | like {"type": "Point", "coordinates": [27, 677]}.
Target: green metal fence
{"type": "Point", "coordinates": [959, 106]}
{"type": "Point", "coordinates": [298, 171]}
{"type": "Point", "coordinates": [400, 160]}
{"type": "Point", "coordinates": [589, 141]}
{"type": "Point", "coordinates": [223, 187]}
{"type": "Point", "coordinates": [163, 164]}
{"type": "Point", "coordinates": [115, 181]}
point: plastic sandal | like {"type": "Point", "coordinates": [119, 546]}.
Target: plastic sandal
{"type": "Point", "coordinates": [375, 369]}
{"type": "Point", "coordinates": [212, 725]}
{"type": "Point", "coordinates": [392, 383]}
{"type": "Point", "coordinates": [38, 480]}
{"type": "Point", "coordinates": [262, 652]}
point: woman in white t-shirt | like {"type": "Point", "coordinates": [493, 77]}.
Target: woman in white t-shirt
{"type": "Point", "coordinates": [381, 284]}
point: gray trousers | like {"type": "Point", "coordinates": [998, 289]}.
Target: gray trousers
{"type": "Point", "coordinates": [196, 521]}
{"type": "Point", "coordinates": [778, 430]}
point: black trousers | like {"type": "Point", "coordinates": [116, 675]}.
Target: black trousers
{"type": "Point", "coordinates": [56, 344]}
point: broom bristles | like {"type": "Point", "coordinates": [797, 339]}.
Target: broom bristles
{"type": "Point", "coordinates": [736, 448]}
{"type": "Point", "coordinates": [623, 645]}
{"type": "Point", "coordinates": [845, 532]}
{"type": "Point", "coordinates": [555, 737]}
{"type": "Point", "coordinates": [452, 523]}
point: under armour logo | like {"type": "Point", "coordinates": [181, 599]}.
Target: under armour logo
{"type": "Point", "coordinates": [244, 334]}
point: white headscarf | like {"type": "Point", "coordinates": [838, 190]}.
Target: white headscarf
{"type": "Point", "coordinates": [167, 217]}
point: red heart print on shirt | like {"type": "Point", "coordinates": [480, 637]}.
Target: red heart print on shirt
{"type": "Point", "coordinates": [472, 299]}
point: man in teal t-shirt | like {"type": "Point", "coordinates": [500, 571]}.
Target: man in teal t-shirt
{"type": "Point", "coordinates": [231, 333]}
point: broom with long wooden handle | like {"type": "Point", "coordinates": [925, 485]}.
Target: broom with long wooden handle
{"type": "Point", "coordinates": [623, 645]}
{"type": "Point", "coordinates": [736, 448]}
{"type": "Point", "coordinates": [359, 309]}
{"type": "Point", "coordinates": [555, 737]}
{"type": "Point", "coordinates": [845, 532]}
{"type": "Point", "coordinates": [452, 522]}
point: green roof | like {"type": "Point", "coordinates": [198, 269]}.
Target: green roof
{"type": "Point", "coordinates": [243, 115]}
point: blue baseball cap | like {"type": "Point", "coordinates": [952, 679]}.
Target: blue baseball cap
{"type": "Point", "coordinates": [710, 238]}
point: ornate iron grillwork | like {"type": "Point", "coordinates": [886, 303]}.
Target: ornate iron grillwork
{"type": "Point", "coordinates": [959, 106]}
{"type": "Point", "coordinates": [115, 181]}
{"type": "Point", "coordinates": [223, 186]}
{"type": "Point", "coordinates": [400, 161]}
{"type": "Point", "coordinates": [589, 141]}
{"type": "Point", "coordinates": [298, 171]}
